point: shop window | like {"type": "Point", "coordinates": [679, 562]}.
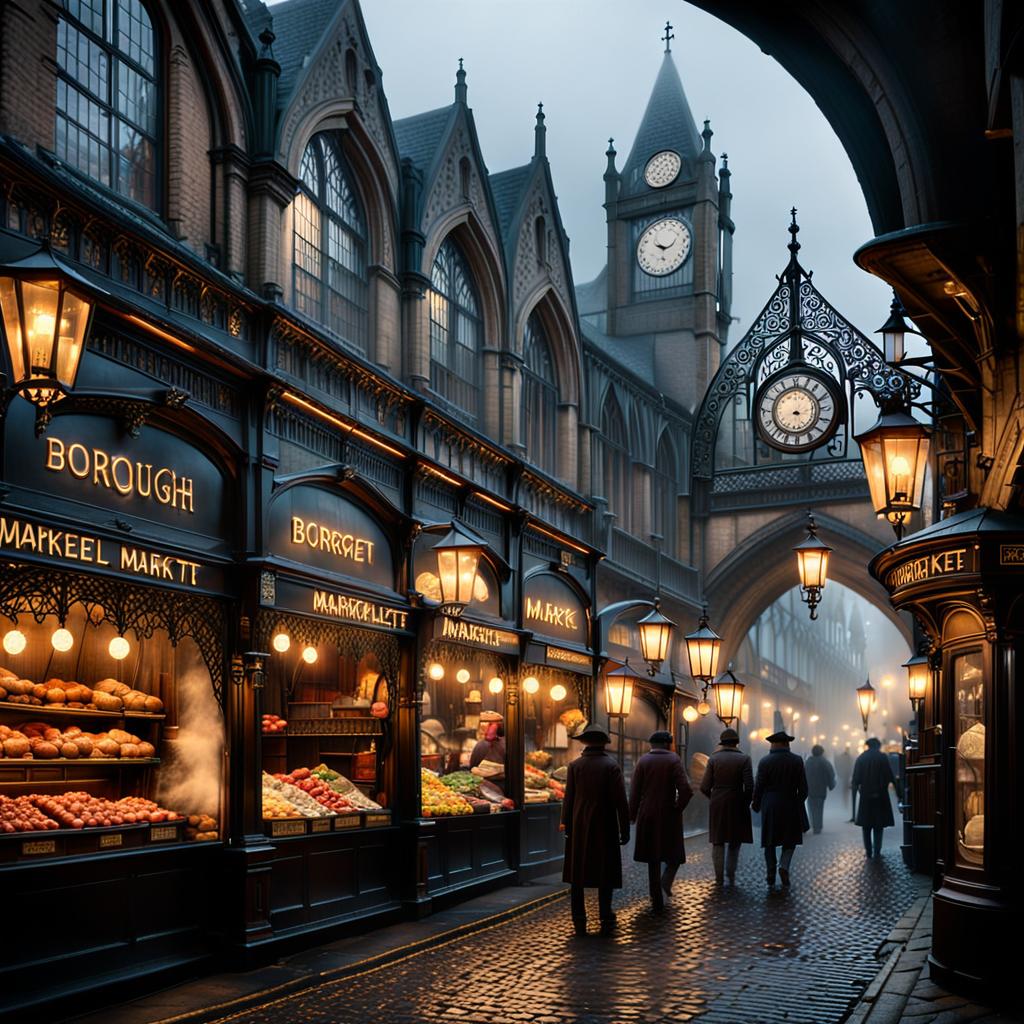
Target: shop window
{"type": "Point", "coordinates": [552, 718]}
{"type": "Point", "coordinates": [462, 733]}
{"type": "Point", "coordinates": [969, 720]}
{"type": "Point", "coordinates": [540, 398]}
{"type": "Point", "coordinates": [329, 279]}
{"type": "Point", "coordinates": [326, 730]}
{"type": "Point", "coordinates": [108, 102]}
{"type": "Point", "coordinates": [455, 332]}
{"type": "Point", "coordinates": [110, 740]}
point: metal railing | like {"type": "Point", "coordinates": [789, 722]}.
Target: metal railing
{"type": "Point", "coordinates": [639, 559]}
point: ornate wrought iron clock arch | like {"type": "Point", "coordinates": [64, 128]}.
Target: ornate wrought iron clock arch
{"type": "Point", "coordinates": [798, 323]}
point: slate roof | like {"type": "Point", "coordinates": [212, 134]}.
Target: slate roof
{"type": "Point", "coordinates": [634, 354]}
{"type": "Point", "coordinates": [592, 297]}
{"type": "Point", "coordinates": [298, 25]}
{"type": "Point", "coordinates": [667, 124]}
{"type": "Point", "coordinates": [419, 136]}
{"type": "Point", "coordinates": [507, 188]}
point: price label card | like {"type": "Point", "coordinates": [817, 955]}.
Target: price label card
{"type": "Point", "coordinates": [344, 821]}
{"type": "Point", "coordinates": [38, 846]}
{"type": "Point", "coordinates": [321, 825]}
{"type": "Point", "coordinates": [288, 828]}
{"type": "Point", "coordinates": [162, 833]}
{"type": "Point", "coordinates": [109, 841]}
{"type": "Point", "coordinates": [376, 819]}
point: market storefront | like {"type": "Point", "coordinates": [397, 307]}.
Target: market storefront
{"type": "Point", "coordinates": [962, 580]}
{"type": "Point", "coordinates": [556, 692]}
{"type": "Point", "coordinates": [114, 585]}
{"type": "Point", "coordinates": [335, 627]}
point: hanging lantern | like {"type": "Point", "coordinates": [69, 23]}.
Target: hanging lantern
{"type": "Point", "coordinates": [702, 649]}
{"type": "Point", "coordinates": [703, 709]}
{"type": "Point", "coordinates": [458, 558]}
{"type": "Point", "coordinates": [918, 675]}
{"type": "Point", "coordinates": [812, 557]}
{"type": "Point", "coordinates": [46, 315]}
{"type": "Point", "coordinates": [895, 454]}
{"type": "Point", "coordinates": [618, 691]}
{"type": "Point", "coordinates": [690, 713]}
{"type": "Point", "coordinates": [655, 637]}
{"type": "Point", "coordinates": [728, 694]}
{"type": "Point", "coordinates": [865, 701]}
{"type": "Point", "coordinates": [894, 332]}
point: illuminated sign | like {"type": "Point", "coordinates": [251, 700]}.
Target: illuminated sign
{"type": "Point", "coordinates": [115, 472]}
{"type": "Point", "coordinates": [570, 657]}
{"type": "Point", "coordinates": [358, 609]}
{"type": "Point", "coordinates": [927, 567]}
{"type": "Point", "coordinates": [464, 632]}
{"type": "Point", "coordinates": [1011, 554]}
{"type": "Point", "coordinates": [552, 607]}
{"type": "Point", "coordinates": [322, 537]}
{"type": "Point", "coordinates": [551, 614]}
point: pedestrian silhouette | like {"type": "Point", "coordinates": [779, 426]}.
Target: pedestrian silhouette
{"type": "Point", "coordinates": [729, 785]}
{"type": "Point", "coordinates": [779, 793]}
{"type": "Point", "coordinates": [821, 777]}
{"type": "Point", "coordinates": [595, 816]}
{"type": "Point", "coordinates": [658, 796]}
{"type": "Point", "coordinates": [872, 776]}
{"type": "Point", "coordinates": [844, 769]}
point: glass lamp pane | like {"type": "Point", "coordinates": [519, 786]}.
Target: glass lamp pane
{"type": "Point", "coordinates": [467, 575]}
{"type": "Point", "coordinates": [447, 573]}
{"type": "Point", "coordinates": [74, 317]}
{"type": "Point", "coordinates": [40, 304]}
{"type": "Point", "coordinates": [12, 327]}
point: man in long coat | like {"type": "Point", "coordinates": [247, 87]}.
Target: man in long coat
{"type": "Point", "coordinates": [658, 796]}
{"type": "Point", "coordinates": [729, 784]}
{"type": "Point", "coordinates": [779, 794]}
{"type": "Point", "coordinates": [595, 816]}
{"type": "Point", "coordinates": [821, 777]}
{"type": "Point", "coordinates": [872, 776]}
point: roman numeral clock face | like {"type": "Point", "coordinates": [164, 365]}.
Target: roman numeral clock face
{"type": "Point", "coordinates": [797, 410]}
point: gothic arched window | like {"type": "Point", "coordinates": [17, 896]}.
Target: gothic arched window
{"type": "Point", "coordinates": [540, 398]}
{"type": "Point", "coordinates": [615, 462]}
{"type": "Point", "coordinates": [665, 487]}
{"type": "Point", "coordinates": [108, 96]}
{"type": "Point", "coordinates": [329, 283]}
{"type": "Point", "coordinates": [455, 332]}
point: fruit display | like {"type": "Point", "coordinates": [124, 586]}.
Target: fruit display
{"type": "Point", "coordinates": [106, 695]}
{"type": "Point", "coordinates": [338, 782]}
{"type": "Point", "coordinates": [438, 800]}
{"type": "Point", "coordinates": [319, 790]}
{"type": "Point", "coordinates": [275, 805]}
{"type": "Point", "coordinates": [539, 759]}
{"type": "Point", "coordinates": [541, 787]}
{"type": "Point", "coordinates": [44, 742]}
{"type": "Point", "coordinates": [201, 828]}
{"type": "Point", "coordinates": [302, 802]}
{"type": "Point", "coordinates": [272, 724]}
{"type": "Point", "coordinates": [37, 813]}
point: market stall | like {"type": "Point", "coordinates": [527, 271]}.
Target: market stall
{"type": "Point", "coordinates": [112, 770]}
{"type": "Point", "coordinates": [335, 627]}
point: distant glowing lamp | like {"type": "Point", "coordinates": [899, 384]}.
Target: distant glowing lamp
{"type": "Point", "coordinates": [62, 640]}
{"type": "Point", "coordinates": [728, 694]}
{"type": "Point", "coordinates": [812, 556]}
{"type": "Point", "coordinates": [918, 676]}
{"type": "Point", "coordinates": [495, 684]}
{"type": "Point", "coordinates": [118, 648]}
{"type": "Point", "coordinates": [436, 671]}
{"type": "Point", "coordinates": [655, 637]}
{"type": "Point", "coordinates": [281, 642]}
{"type": "Point", "coordinates": [309, 654]}
{"type": "Point", "coordinates": [558, 693]}
{"type": "Point", "coordinates": [703, 709]}
{"type": "Point", "coordinates": [866, 701]}
{"type": "Point", "coordinates": [531, 684]}
{"type": "Point", "coordinates": [14, 641]}
{"type": "Point", "coordinates": [702, 649]}
{"type": "Point", "coordinates": [690, 713]}
{"type": "Point", "coordinates": [462, 676]}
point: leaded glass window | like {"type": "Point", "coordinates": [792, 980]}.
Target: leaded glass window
{"type": "Point", "coordinates": [329, 262]}
{"type": "Point", "coordinates": [540, 398]}
{"type": "Point", "coordinates": [615, 462]}
{"type": "Point", "coordinates": [665, 487]}
{"type": "Point", "coordinates": [455, 332]}
{"type": "Point", "coordinates": [108, 108]}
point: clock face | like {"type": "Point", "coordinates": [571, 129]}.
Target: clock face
{"type": "Point", "coordinates": [663, 247]}
{"type": "Point", "coordinates": [662, 169]}
{"type": "Point", "coordinates": [797, 410]}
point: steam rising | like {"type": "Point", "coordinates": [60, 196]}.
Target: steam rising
{"type": "Point", "coordinates": [190, 777]}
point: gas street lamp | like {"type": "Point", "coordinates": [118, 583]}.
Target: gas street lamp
{"type": "Point", "coordinates": [46, 312]}
{"type": "Point", "coordinates": [728, 693]}
{"type": "Point", "coordinates": [655, 636]}
{"type": "Point", "coordinates": [618, 691]}
{"type": "Point", "coordinates": [703, 646]}
{"type": "Point", "coordinates": [918, 673]}
{"type": "Point", "coordinates": [458, 558]}
{"type": "Point", "coordinates": [895, 453]}
{"type": "Point", "coordinates": [865, 701]}
{"type": "Point", "coordinates": [812, 556]}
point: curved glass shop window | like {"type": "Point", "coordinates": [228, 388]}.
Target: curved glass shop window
{"type": "Point", "coordinates": [462, 735]}
{"type": "Point", "coordinates": [552, 719]}
{"type": "Point", "coordinates": [967, 672]}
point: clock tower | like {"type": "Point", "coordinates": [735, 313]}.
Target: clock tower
{"type": "Point", "coordinates": [664, 296]}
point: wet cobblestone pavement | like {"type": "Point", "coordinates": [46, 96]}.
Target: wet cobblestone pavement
{"type": "Point", "coordinates": [731, 956]}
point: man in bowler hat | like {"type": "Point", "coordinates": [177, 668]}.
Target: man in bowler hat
{"type": "Point", "coordinates": [729, 784]}
{"type": "Point", "coordinates": [595, 817]}
{"type": "Point", "coordinates": [779, 794]}
{"type": "Point", "coordinates": [658, 796]}
{"type": "Point", "coordinates": [872, 777]}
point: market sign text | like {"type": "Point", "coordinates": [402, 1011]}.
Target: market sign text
{"type": "Point", "coordinates": [465, 632]}
{"type": "Point", "coordinates": [942, 563]}
{"type": "Point", "coordinates": [569, 657]}
{"type": "Point", "coordinates": [357, 609]}
{"type": "Point", "coordinates": [551, 614]}
{"type": "Point", "coordinates": [322, 537]}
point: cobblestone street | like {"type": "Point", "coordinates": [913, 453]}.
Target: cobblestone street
{"type": "Point", "coordinates": [733, 956]}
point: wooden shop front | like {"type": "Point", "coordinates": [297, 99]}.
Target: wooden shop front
{"type": "Point", "coordinates": [115, 566]}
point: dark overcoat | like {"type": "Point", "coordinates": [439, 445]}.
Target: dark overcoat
{"type": "Point", "coordinates": [779, 794]}
{"type": "Point", "coordinates": [729, 784]}
{"type": "Point", "coordinates": [658, 795]}
{"type": "Point", "coordinates": [821, 776]}
{"type": "Point", "coordinates": [595, 814]}
{"type": "Point", "coordinates": [872, 775]}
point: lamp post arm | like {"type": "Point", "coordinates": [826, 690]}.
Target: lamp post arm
{"type": "Point", "coordinates": [607, 616]}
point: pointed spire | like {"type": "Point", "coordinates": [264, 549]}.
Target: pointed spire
{"type": "Point", "coordinates": [610, 170]}
{"type": "Point", "coordinates": [706, 135]}
{"type": "Point", "coordinates": [794, 230]}
{"type": "Point", "coordinates": [461, 92]}
{"type": "Point", "coordinates": [539, 134]}
{"type": "Point", "coordinates": [668, 37]}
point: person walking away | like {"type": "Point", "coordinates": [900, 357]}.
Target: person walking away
{"type": "Point", "coordinates": [658, 796]}
{"type": "Point", "coordinates": [821, 777]}
{"type": "Point", "coordinates": [595, 817]}
{"type": "Point", "coordinates": [844, 770]}
{"type": "Point", "coordinates": [872, 776]}
{"type": "Point", "coordinates": [728, 783]}
{"type": "Point", "coordinates": [779, 794]}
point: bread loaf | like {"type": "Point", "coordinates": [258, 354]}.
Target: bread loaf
{"type": "Point", "coordinates": [106, 701]}
{"type": "Point", "coordinates": [146, 749]}
{"type": "Point", "coordinates": [112, 686]}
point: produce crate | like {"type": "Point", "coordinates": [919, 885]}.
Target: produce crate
{"type": "Point", "coordinates": [305, 710]}
{"type": "Point", "coordinates": [362, 726]}
{"type": "Point", "coordinates": [377, 819]}
{"type": "Point", "coordinates": [64, 842]}
{"type": "Point", "coordinates": [364, 766]}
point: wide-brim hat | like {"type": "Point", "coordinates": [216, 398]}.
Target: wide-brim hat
{"type": "Point", "coordinates": [593, 734]}
{"type": "Point", "coordinates": [729, 738]}
{"type": "Point", "coordinates": [780, 737]}
{"type": "Point", "coordinates": [490, 716]}
{"type": "Point", "coordinates": [661, 736]}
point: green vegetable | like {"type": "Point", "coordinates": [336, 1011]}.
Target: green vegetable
{"type": "Point", "coordinates": [460, 782]}
{"type": "Point", "coordinates": [321, 771]}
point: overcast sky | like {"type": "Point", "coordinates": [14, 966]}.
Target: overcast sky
{"type": "Point", "coordinates": [593, 63]}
